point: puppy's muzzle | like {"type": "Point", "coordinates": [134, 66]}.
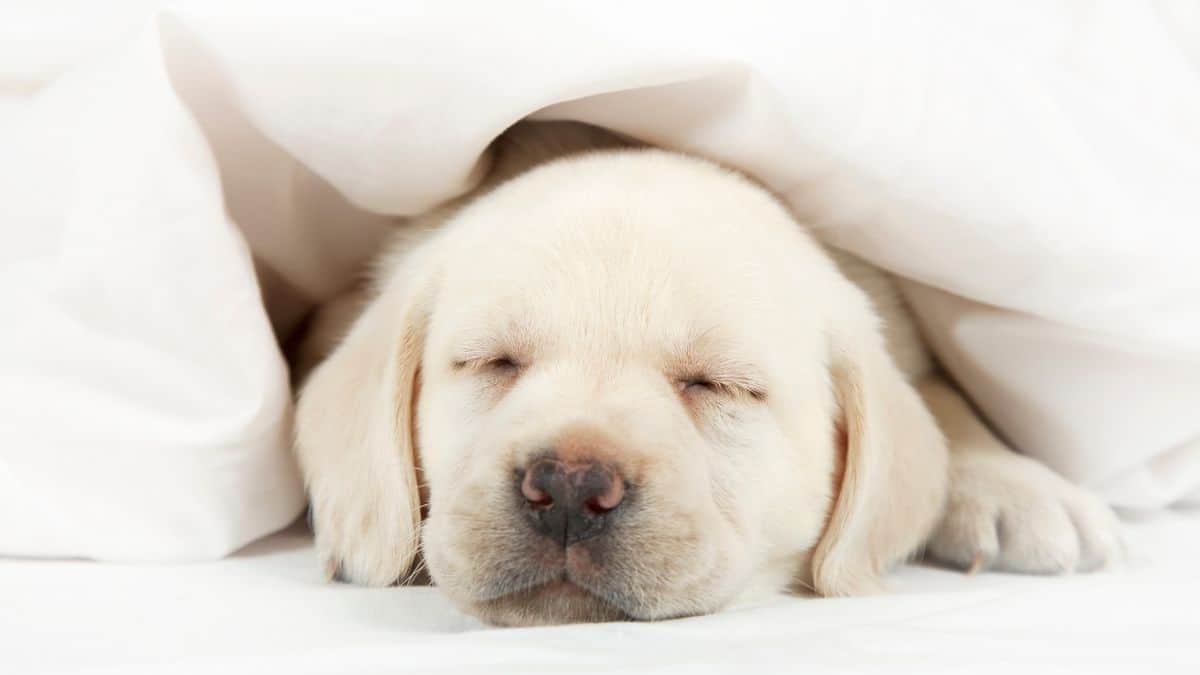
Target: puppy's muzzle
{"type": "Point", "coordinates": [570, 502]}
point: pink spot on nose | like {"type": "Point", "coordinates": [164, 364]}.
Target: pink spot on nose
{"type": "Point", "coordinates": [610, 495]}
{"type": "Point", "coordinates": [533, 494]}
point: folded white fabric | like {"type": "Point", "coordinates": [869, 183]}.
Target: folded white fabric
{"type": "Point", "coordinates": [1030, 167]}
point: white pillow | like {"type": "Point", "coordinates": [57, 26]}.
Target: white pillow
{"type": "Point", "coordinates": [144, 404]}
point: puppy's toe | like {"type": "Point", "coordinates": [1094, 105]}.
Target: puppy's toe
{"type": "Point", "coordinates": [967, 536]}
{"type": "Point", "coordinates": [1099, 531]}
{"type": "Point", "coordinates": [1008, 512]}
{"type": "Point", "coordinates": [1037, 537]}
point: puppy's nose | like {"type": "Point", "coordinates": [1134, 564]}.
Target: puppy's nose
{"type": "Point", "coordinates": [571, 501]}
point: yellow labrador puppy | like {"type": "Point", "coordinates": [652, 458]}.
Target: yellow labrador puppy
{"type": "Point", "coordinates": [620, 383]}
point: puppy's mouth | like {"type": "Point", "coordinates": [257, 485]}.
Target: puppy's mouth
{"type": "Point", "coordinates": [558, 601]}
{"type": "Point", "coordinates": [559, 593]}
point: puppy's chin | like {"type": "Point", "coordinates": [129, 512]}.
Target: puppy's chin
{"type": "Point", "coordinates": [551, 603]}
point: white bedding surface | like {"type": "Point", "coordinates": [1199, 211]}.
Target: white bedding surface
{"type": "Point", "coordinates": [266, 610]}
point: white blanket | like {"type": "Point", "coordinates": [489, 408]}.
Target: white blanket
{"type": "Point", "coordinates": [175, 195]}
{"type": "Point", "coordinates": [267, 610]}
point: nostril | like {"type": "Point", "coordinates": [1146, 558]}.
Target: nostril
{"type": "Point", "coordinates": [544, 501]}
{"type": "Point", "coordinates": [533, 494]}
{"type": "Point", "coordinates": [608, 496]}
{"type": "Point", "coordinates": [537, 484]}
{"type": "Point", "coordinates": [596, 508]}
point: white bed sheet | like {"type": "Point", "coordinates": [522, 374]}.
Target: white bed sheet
{"type": "Point", "coordinates": [266, 610]}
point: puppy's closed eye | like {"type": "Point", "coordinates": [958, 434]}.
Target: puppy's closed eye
{"type": "Point", "coordinates": [699, 384]}
{"type": "Point", "coordinates": [732, 387]}
{"type": "Point", "coordinates": [711, 367]}
{"type": "Point", "coordinates": [499, 365]}
{"type": "Point", "coordinates": [502, 365]}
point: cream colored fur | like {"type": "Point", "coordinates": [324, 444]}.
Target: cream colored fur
{"type": "Point", "coordinates": [612, 279]}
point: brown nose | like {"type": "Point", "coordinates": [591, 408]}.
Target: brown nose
{"type": "Point", "coordinates": [571, 501]}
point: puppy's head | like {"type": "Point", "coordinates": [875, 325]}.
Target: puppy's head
{"type": "Point", "coordinates": [635, 388]}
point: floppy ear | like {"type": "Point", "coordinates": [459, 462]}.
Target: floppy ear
{"type": "Point", "coordinates": [354, 438]}
{"type": "Point", "coordinates": [894, 466]}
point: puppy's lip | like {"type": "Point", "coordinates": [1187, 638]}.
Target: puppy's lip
{"type": "Point", "coordinates": [562, 585]}
{"type": "Point", "coordinates": [550, 569]}
{"type": "Point", "coordinates": [558, 583]}
{"type": "Point", "coordinates": [560, 600]}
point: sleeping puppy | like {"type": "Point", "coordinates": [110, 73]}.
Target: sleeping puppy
{"type": "Point", "coordinates": [616, 382]}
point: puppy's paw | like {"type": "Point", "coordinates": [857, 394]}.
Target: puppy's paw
{"type": "Point", "coordinates": [365, 532]}
{"type": "Point", "coordinates": [1009, 512]}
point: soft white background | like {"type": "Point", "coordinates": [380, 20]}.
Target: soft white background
{"type": "Point", "coordinates": [1031, 166]}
